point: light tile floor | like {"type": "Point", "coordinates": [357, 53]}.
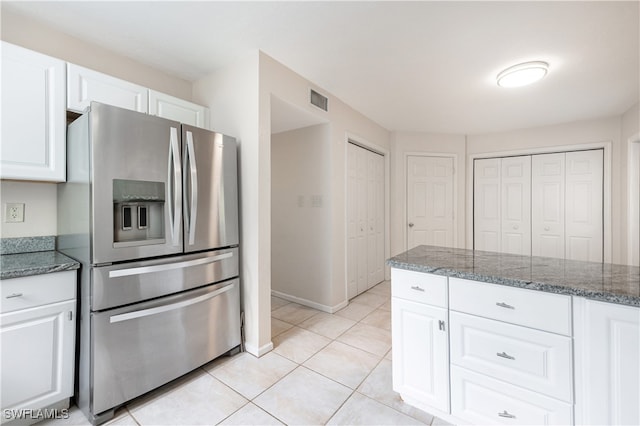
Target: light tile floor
{"type": "Point", "coordinates": [324, 369]}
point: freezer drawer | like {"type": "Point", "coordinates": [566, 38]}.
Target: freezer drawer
{"type": "Point", "coordinates": [143, 346]}
{"type": "Point", "coordinates": [126, 283]}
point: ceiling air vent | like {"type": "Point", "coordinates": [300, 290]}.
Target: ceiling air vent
{"type": "Point", "coordinates": [320, 101]}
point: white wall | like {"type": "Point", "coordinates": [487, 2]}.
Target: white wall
{"type": "Point", "coordinates": [604, 130]}
{"type": "Point", "coordinates": [40, 213]}
{"type": "Point", "coordinates": [40, 198]}
{"type": "Point", "coordinates": [232, 97]}
{"type": "Point", "coordinates": [300, 227]}
{"type": "Point", "coordinates": [404, 143]}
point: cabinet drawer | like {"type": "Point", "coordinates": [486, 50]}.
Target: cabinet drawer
{"type": "Point", "coordinates": [525, 357]}
{"type": "Point", "coordinates": [419, 287]}
{"type": "Point", "coordinates": [36, 290]}
{"type": "Point", "coordinates": [535, 309]}
{"type": "Point", "coordinates": [479, 399]}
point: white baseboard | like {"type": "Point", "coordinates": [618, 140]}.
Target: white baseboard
{"type": "Point", "coordinates": [309, 303]}
{"type": "Point", "coordinates": [258, 352]}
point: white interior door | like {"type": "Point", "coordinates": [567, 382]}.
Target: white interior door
{"type": "Point", "coordinates": [486, 204]}
{"type": "Point", "coordinates": [515, 184]}
{"type": "Point", "coordinates": [430, 217]}
{"type": "Point", "coordinates": [584, 205]}
{"type": "Point", "coordinates": [547, 199]}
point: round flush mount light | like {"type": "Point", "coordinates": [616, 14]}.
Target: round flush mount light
{"type": "Point", "coordinates": [522, 74]}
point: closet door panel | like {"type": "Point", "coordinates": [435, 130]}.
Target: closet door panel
{"type": "Point", "coordinates": [516, 205]}
{"type": "Point", "coordinates": [547, 199]}
{"type": "Point", "coordinates": [352, 221]}
{"type": "Point", "coordinates": [584, 206]}
{"type": "Point", "coordinates": [486, 205]}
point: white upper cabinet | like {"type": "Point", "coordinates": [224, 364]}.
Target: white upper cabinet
{"type": "Point", "coordinates": [33, 116]}
{"type": "Point", "coordinates": [85, 85]}
{"type": "Point", "coordinates": [177, 109]}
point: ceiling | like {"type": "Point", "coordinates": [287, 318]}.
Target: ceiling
{"type": "Point", "coordinates": [409, 66]}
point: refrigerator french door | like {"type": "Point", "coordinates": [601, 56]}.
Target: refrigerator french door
{"type": "Point", "coordinates": [147, 174]}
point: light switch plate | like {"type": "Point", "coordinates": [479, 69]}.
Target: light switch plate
{"type": "Point", "coordinates": [14, 212]}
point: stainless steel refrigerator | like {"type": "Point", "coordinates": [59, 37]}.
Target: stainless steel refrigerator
{"type": "Point", "coordinates": [150, 209]}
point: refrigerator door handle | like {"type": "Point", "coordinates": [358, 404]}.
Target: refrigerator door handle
{"type": "Point", "coordinates": [171, 307]}
{"type": "Point", "coordinates": [167, 266]}
{"type": "Point", "coordinates": [174, 187]}
{"type": "Point", "coordinates": [193, 173]}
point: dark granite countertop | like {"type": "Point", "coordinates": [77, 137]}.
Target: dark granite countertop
{"type": "Point", "coordinates": [599, 281]}
{"type": "Point", "coordinates": [36, 263]}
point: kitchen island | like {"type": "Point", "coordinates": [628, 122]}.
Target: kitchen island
{"type": "Point", "coordinates": [493, 338]}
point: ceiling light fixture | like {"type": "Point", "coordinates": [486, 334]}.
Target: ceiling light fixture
{"type": "Point", "coordinates": [522, 74]}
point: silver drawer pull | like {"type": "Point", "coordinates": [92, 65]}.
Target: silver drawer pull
{"type": "Point", "coordinates": [11, 296]}
{"type": "Point", "coordinates": [505, 355]}
{"type": "Point", "coordinates": [417, 288]}
{"type": "Point", "coordinates": [504, 305]}
{"type": "Point", "coordinates": [507, 415]}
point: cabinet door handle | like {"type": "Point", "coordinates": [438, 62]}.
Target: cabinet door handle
{"type": "Point", "coordinates": [417, 288]}
{"type": "Point", "coordinates": [506, 414]}
{"type": "Point", "coordinates": [504, 305]}
{"type": "Point", "coordinates": [11, 296]}
{"type": "Point", "coordinates": [504, 355]}
{"type": "Point", "coordinates": [441, 325]}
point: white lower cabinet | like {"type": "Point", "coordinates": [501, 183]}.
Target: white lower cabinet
{"type": "Point", "coordinates": [521, 356]}
{"type": "Point", "coordinates": [607, 345]}
{"type": "Point", "coordinates": [480, 399]}
{"type": "Point", "coordinates": [513, 356]}
{"type": "Point", "coordinates": [37, 332]}
{"type": "Point", "coordinates": [420, 353]}
{"type": "Point", "coordinates": [420, 339]}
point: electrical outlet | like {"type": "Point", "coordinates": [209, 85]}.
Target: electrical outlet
{"type": "Point", "coordinates": [14, 212]}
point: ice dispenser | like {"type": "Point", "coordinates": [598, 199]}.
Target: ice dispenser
{"type": "Point", "coordinates": [138, 213]}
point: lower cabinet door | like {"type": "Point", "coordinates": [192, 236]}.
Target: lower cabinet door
{"type": "Point", "coordinates": [420, 353]}
{"type": "Point", "coordinates": [607, 348]}
{"type": "Point", "coordinates": [480, 399]}
{"type": "Point", "coordinates": [37, 355]}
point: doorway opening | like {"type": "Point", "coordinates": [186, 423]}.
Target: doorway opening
{"type": "Point", "coordinates": [300, 206]}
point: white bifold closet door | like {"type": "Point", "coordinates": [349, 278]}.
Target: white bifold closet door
{"type": "Point", "coordinates": [541, 205]}
{"type": "Point", "coordinates": [568, 199]}
{"type": "Point", "coordinates": [502, 205]}
{"type": "Point", "coordinates": [365, 219]}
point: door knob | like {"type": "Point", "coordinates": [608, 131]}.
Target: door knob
{"type": "Point", "coordinates": [410, 225]}
{"type": "Point", "coordinates": [546, 228]}
{"type": "Point", "coordinates": [515, 226]}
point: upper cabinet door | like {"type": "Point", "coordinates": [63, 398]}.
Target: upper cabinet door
{"type": "Point", "coordinates": [33, 116]}
{"type": "Point", "coordinates": [176, 109]}
{"type": "Point", "coordinates": [85, 85]}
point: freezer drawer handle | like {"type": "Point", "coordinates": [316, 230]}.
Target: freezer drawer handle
{"type": "Point", "coordinates": [168, 266]}
{"type": "Point", "coordinates": [159, 309]}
